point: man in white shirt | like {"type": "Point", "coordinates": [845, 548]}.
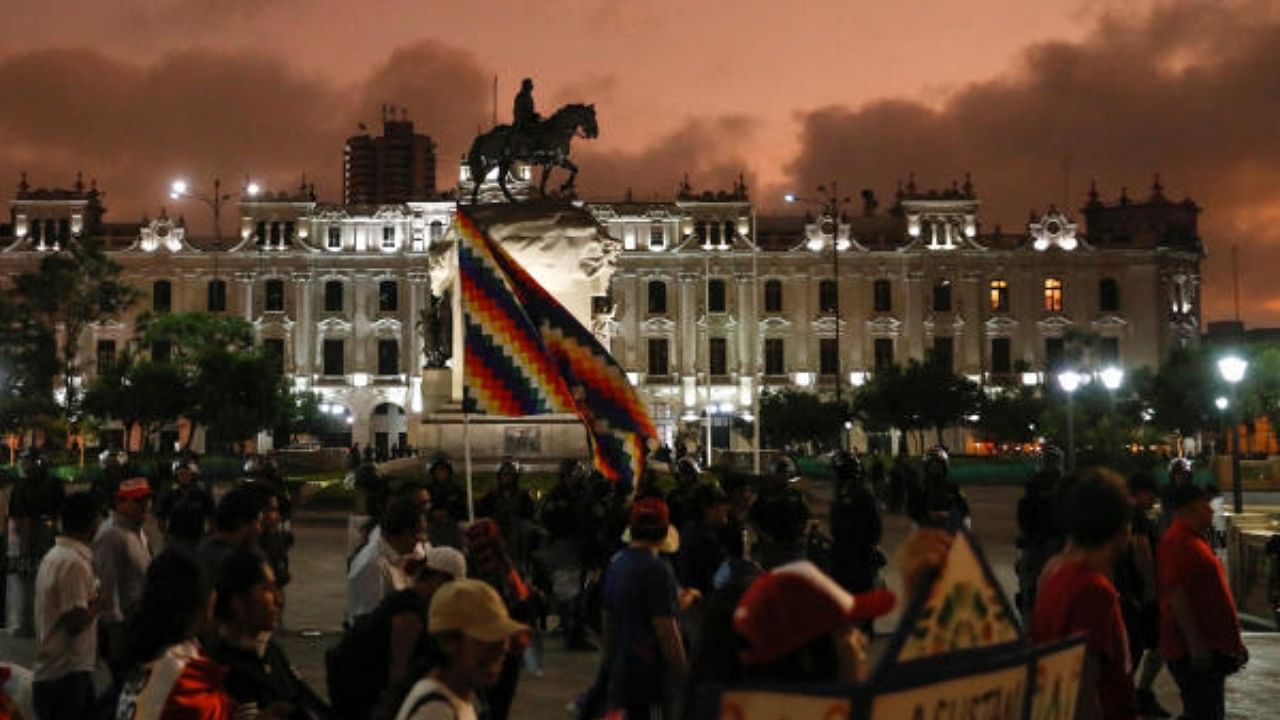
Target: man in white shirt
{"type": "Point", "coordinates": [381, 566]}
{"type": "Point", "coordinates": [66, 609]}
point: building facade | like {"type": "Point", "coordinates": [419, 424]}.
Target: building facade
{"type": "Point", "coordinates": [708, 304]}
{"type": "Point", "coordinates": [395, 167]}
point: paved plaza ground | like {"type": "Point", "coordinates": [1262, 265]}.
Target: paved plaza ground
{"type": "Point", "coordinates": [316, 599]}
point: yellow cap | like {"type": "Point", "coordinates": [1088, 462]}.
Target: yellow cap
{"type": "Point", "coordinates": [472, 608]}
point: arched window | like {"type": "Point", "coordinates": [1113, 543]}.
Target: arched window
{"type": "Point", "coordinates": [773, 296]}
{"type": "Point", "coordinates": [161, 296]}
{"type": "Point", "coordinates": [1053, 295]}
{"type": "Point", "coordinates": [828, 296]}
{"type": "Point", "coordinates": [657, 297]}
{"type": "Point", "coordinates": [1108, 295]}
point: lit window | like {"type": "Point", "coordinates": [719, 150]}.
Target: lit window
{"type": "Point", "coordinates": [657, 237]}
{"type": "Point", "coordinates": [335, 237]}
{"type": "Point", "coordinates": [1053, 295]}
{"type": "Point", "coordinates": [999, 295]}
{"type": "Point", "coordinates": [388, 236]}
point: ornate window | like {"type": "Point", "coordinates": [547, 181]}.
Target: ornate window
{"type": "Point", "coordinates": [884, 353]}
{"type": "Point", "coordinates": [388, 296]}
{"type": "Point", "coordinates": [335, 237]}
{"type": "Point", "coordinates": [775, 359]}
{"type": "Point", "coordinates": [659, 359]}
{"type": "Point", "coordinates": [715, 295]}
{"type": "Point", "coordinates": [388, 237]}
{"type": "Point", "coordinates": [773, 296]}
{"type": "Point", "coordinates": [943, 353]}
{"type": "Point", "coordinates": [1108, 295]}
{"type": "Point", "coordinates": [388, 357]}
{"type": "Point", "coordinates": [657, 297]}
{"type": "Point", "coordinates": [882, 292]}
{"type": "Point", "coordinates": [1053, 295]}
{"type": "Point", "coordinates": [657, 237]}
{"type": "Point", "coordinates": [828, 357]}
{"type": "Point", "coordinates": [828, 296]}
{"type": "Point", "coordinates": [334, 357]}
{"type": "Point", "coordinates": [275, 295]}
{"type": "Point", "coordinates": [999, 295]}
{"type": "Point", "coordinates": [1001, 356]}
{"type": "Point", "coordinates": [942, 296]}
{"type": "Point", "coordinates": [333, 296]}
{"type": "Point", "coordinates": [217, 296]}
{"type": "Point", "coordinates": [718, 356]}
{"type": "Point", "coordinates": [161, 296]}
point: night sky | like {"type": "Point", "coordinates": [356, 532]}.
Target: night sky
{"type": "Point", "coordinates": [1033, 98]}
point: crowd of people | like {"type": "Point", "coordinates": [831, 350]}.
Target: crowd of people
{"type": "Point", "coordinates": [685, 580]}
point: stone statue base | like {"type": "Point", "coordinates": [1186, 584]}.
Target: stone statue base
{"type": "Point", "coordinates": [568, 253]}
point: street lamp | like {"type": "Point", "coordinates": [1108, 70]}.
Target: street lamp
{"type": "Point", "coordinates": [1232, 369]}
{"type": "Point", "coordinates": [830, 202]}
{"type": "Point", "coordinates": [1112, 377]}
{"type": "Point", "coordinates": [179, 189]}
{"type": "Point", "coordinates": [1069, 381]}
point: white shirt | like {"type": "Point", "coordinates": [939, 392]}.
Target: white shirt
{"type": "Point", "coordinates": [455, 709]}
{"type": "Point", "coordinates": [121, 556]}
{"type": "Point", "coordinates": [376, 572]}
{"type": "Point", "coordinates": [64, 582]}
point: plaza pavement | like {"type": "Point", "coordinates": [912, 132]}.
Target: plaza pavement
{"type": "Point", "coordinates": [316, 600]}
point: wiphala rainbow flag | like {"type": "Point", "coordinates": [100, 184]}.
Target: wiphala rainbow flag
{"type": "Point", "coordinates": [525, 354]}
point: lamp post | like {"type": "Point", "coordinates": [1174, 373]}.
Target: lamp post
{"type": "Point", "coordinates": [830, 202]}
{"type": "Point", "coordinates": [1232, 369]}
{"type": "Point", "coordinates": [1069, 381]}
{"type": "Point", "coordinates": [180, 190]}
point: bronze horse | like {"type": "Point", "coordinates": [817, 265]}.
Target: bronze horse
{"type": "Point", "coordinates": [546, 145]}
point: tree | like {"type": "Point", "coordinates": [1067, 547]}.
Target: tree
{"type": "Point", "coordinates": [238, 394]}
{"type": "Point", "coordinates": [915, 398]}
{"type": "Point", "coordinates": [1010, 416]}
{"type": "Point", "coordinates": [140, 394]}
{"type": "Point", "coordinates": [792, 417]}
{"type": "Point", "coordinates": [68, 291]}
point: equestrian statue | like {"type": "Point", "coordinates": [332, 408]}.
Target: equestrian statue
{"type": "Point", "coordinates": [533, 140]}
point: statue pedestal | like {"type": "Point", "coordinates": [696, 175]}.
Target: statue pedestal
{"type": "Point", "coordinates": [569, 254]}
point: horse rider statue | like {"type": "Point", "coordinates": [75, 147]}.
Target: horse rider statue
{"type": "Point", "coordinates": [531, 139]}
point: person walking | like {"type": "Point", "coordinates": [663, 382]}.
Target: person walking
{"type": "Point", "coordinates": [67, 606]}
{"type": "Point", "coordinates": [121, 556]}
{"type": "Point", "coordinates": [1199, 626]}
{"type": "Point", "coordinates": [473, 633]}
{"type": "Point", "coordinates": [643, 649]}
{"type": "Point", "coordinates": [185, 509]}
{"type": "Point", "coordinates": [1135, 580]}
{"type": "Point", "coordinates": [1076, 595]}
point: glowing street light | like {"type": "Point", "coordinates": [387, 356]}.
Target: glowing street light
{"type": "Point", "coordinates": [1112, 377]}
{"type": "Point", "coordinates": [1221, 403]}
{"type": "Point", "coordinates": [1232, 369]}
{"type": "Point", "coordinates": [179, 189]}
{"type": "Point", "coordinates": [1070, 381]}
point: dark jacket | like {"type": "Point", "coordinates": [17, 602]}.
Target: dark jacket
{"type": "Point", "coordinates": [267, 680]}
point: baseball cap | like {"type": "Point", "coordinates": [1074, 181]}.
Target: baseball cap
{"type": "Point", "coordinates": [652, 513]}
{"type": "Point", "coordinates": [472, 608]}
{"type": "Point", "coordinates": [446, 560]}
{"type": "Point", "coordinates": [795, 604]}
{"type": "Point", "coordinates": [134, 488]}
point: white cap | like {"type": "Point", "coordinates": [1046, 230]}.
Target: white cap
{"type": "Point", "coordinates": [446, 560]}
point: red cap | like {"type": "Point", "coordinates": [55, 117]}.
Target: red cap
{"type": "Point", "coordinates": [134, 488]}
{"type": "Point", "coordinates": [795, 604]}
{"type": "Point", "coordinates": [650, 512]}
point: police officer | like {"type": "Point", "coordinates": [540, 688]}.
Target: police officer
{"type": "Point", "coordinates": [681, 498]}
{"type": "Point", "coordinates": [34, 506]}
{"type": "Point", "coordinates": [779, 517]}
{"type": "Point", "coordinates": [1040, 533]}
{"type": "Point", "coordinates": [564, 514]}
{"type": "Point", "coordinates": [937, 501]}
{"type": "Point", "coordinates": [513, 509]}
{"type": "Point", "coordinates": [855, 527]}
{"type": "Point", "coordinates": [185, 508]}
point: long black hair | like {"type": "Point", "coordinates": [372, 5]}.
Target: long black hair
{"type": "Point", "coordinates": [176, 592]}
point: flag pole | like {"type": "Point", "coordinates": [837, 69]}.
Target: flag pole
{"type": "Point", "coordinates": [466, 454]}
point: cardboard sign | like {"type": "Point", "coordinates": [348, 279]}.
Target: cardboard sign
{"type": "Point", "coordinates": [767, 705]}
{"type": "Point", "coordinates": [999, 694]}
{"type": "Point", "coordinates": [1058, 672]}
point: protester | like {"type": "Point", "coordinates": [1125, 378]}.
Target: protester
{"type": "Point", "coordinates": [512, 507]}
{"type": "Point", "coordinates": [643, 650]}
{"type": "Point", "coordinates": [67, 606]}
{"type": "Point", "coordinates": [1040, 534]}
{"type": "Point", "coordinates": [277, 536]}
{"type": "Point", "coordinates": [855, 528]}
{"type": "Point", "coordinates": [701, 547]}
{"type": "Point", "coordinates": [379, 569]}
{"type": "Point", "coordinates": [779, 516]}
{"type": "Point", "coordinates": [1199, 626]}
{"type": "Point", "coordinates": [121, 556]}
{"type": "Point", "coordinates": [473, 631]}
{"type": "Point", "coordinates": [564, 515]}
{"type": "Point", "coordinates": [172, 677]}
{"type": "Point", "coordinates": [489, 563]}
{"type": "Point", "coordinates": [185, 509]}
{"type": "Point", "coordinates": [237, 526]}
{"type": "Point", "coordinates": [379, 651]}
{"type": "Point", "coordinates": [1076, 595]}
{"type": "Point", "coordinates": [797, 625]}
{"type": "Point", "coordinates": [448, 507]}
{"type": "Point", "coordinates": [680, 500]}
{"type": "Point", "coordinates": [34, 504]}
{"type": "Point", "coordinates": [1135, 580]}
{"type": "Point", "coordinates": [259, 674]}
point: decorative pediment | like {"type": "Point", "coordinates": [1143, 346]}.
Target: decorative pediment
{"type": "Point", "coordinates": [1054, 325]}
{"type": "Point", "coordinates": [273, 324]}
{"type": "Point", "coordinates": [658, 326]}
{"type": "Point", "coordinates": [1110, 322]}
{"type": "Point", "coordinates": [334, 326]}
{"type": "Point", "coordinates": [161, 235]}
{"type": "Point", "coordinates": [1055, 231]}
{"type": "Point", "coordinates": [775, 326]}
{"type": "Point", "coordinates": [884, 326]}
{"type": "Point", "coordinates": [1001, 325]}
{"type": "Point", "coordinates": [385, 326]}
{"type": "Point", "coordinates": [392, 212]}
{"type": "Point", "coordinates": [826, 325]}
{"type": "Point", "coordinates": [933, 323]}
{"type": "Point", "coordinates": [717, 321]}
